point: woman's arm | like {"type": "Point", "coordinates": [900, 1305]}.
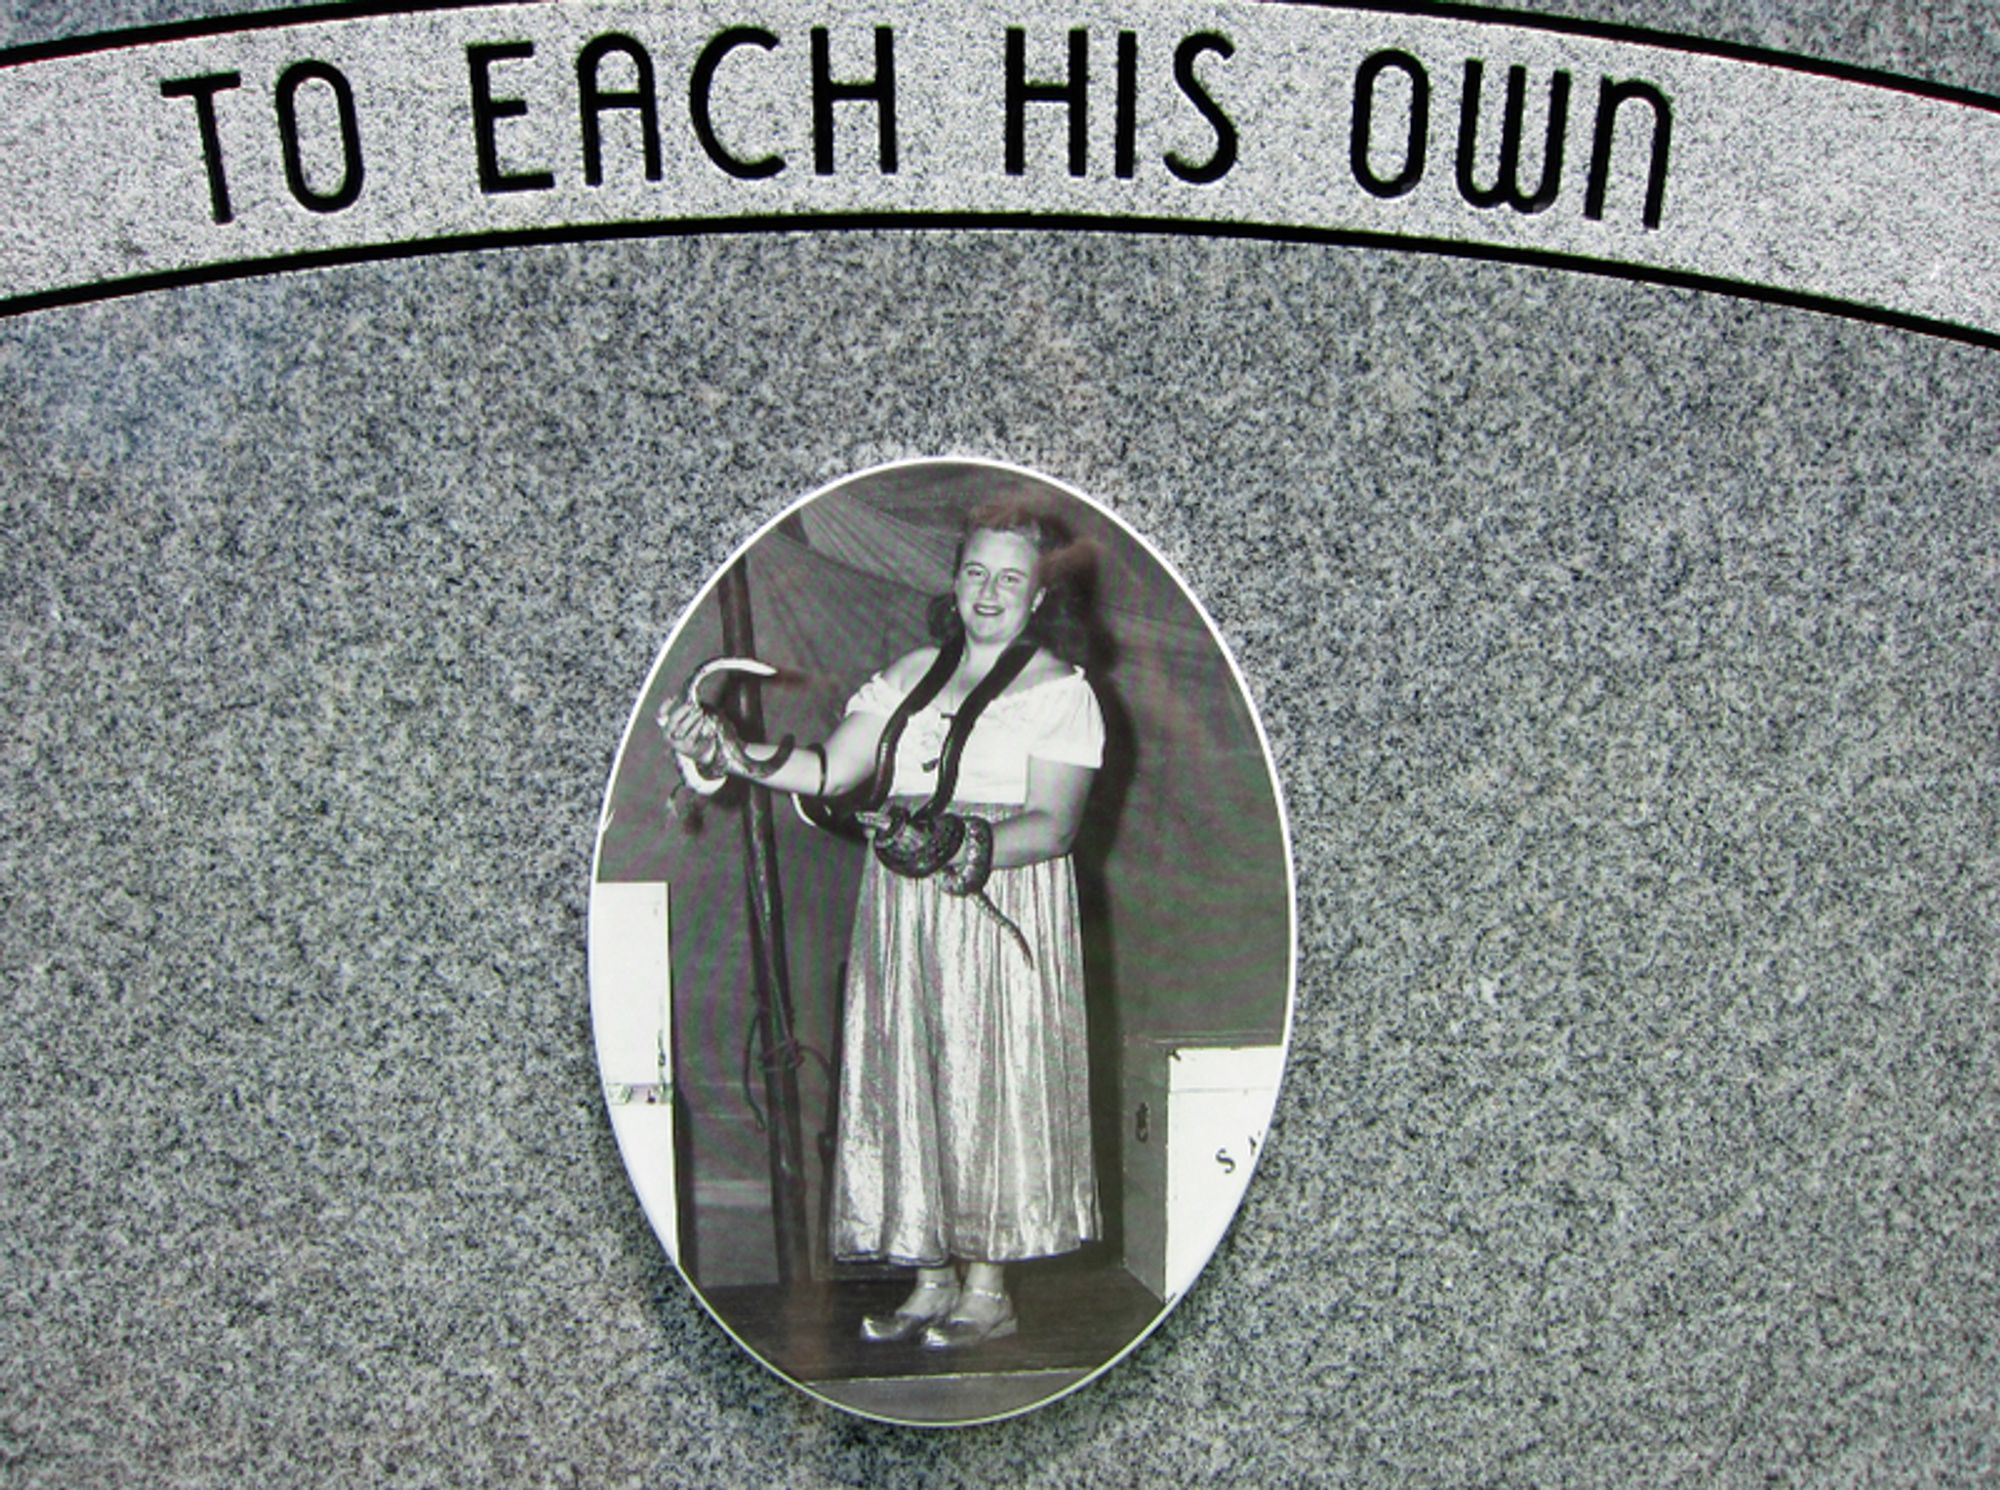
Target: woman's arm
{"type": "Point", "coordinates": [850, 752]}
{"type": "Point", "coordinates": [1046, 826]}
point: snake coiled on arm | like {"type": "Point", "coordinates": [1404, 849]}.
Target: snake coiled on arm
{"type": "Point", "coordinates": [916, 844]}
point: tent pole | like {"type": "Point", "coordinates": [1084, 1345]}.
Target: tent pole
{"type": "Point", "coordinates": [773, 973]}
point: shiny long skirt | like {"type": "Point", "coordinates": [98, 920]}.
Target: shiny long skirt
{"type": "Point", "coordinates": [964, 1082]}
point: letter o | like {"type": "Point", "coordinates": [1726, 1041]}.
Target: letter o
{"type": "Point", "coordinates": [290, 81]}
{"type": "Point", "coordinates": [1359, 137]}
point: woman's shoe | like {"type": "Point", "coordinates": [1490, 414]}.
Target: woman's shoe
{"type": "Point", "coordinates": [958, 1331]}
{"type": "Point", "coordinates": [927, 1304]}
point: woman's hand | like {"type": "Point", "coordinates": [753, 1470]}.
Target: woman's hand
{"type": "Point", "coordinates": [959, 850]}
{"type": "Point", "coordinates": [695, 737]}
{"type": "Point", "coordinates": [916, 846]}
{"type": "Point", "coordinates": [692, 731]}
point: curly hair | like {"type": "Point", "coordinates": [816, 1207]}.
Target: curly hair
{"type": "Point", "coordinates": [1065, 571]}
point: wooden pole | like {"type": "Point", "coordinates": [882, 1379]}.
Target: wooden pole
{"type": "Point", "coordinates": [765, 897]}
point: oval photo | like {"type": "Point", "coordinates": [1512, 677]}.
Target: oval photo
{"type": "Point", "coordinates": [941, 943]}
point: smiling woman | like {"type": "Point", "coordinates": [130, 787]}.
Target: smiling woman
{"type": "Point", "coordinates": [964, 1134]}
{"type": "Point", "coordinates": [985, 780]}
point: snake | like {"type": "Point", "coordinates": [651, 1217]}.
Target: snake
{"type": "Point", "coordinates": [862, 808]}
{"type": "Point", "coordinates": [727, 740]}
{"type": "Point", "coordinates": [856, 812]}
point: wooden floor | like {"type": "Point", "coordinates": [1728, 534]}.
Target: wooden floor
{"type": "Point", "coordinates": [1073, 1320]}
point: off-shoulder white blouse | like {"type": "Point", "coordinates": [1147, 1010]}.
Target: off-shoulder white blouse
{"type": "Point", "coordinates": [1057, 719]}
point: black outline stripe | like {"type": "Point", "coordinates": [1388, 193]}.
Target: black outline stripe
{"type": "Point", "coordinates": [135, 37]}
{"type": "Point", "coordinates": [992, 222]}
{"type": "Point", "coordinates": [342, 10]}
{"type": "Point", "coordinates": [1446, 10]}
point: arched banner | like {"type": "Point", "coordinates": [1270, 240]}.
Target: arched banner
{"type": "Point", "coordinates": [345, 134]}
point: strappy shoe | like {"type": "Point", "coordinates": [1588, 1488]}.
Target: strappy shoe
{"type": "Point", "coordinates": [957, 1332]}
{"type": "Point", "coordinates": [927, 1304]}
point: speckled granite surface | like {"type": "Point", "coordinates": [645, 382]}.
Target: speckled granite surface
{"type": "Point", "coordinates": [1629, 658]}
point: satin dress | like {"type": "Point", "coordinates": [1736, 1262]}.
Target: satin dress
{"type": "Point", "coordinates": [964, 1126]}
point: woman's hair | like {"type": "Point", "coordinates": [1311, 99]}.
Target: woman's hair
{"type": "Point", "coordinates": [1065, 570]}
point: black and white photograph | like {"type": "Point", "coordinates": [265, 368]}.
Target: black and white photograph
{"type": "Point", "coordinates": [956, 849]}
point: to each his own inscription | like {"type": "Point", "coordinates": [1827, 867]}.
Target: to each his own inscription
{"type": "Point", "coordinates": [1056, 91]}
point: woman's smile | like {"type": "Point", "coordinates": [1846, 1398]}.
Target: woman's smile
{"type": "Point", "coordinates": [995, 585]}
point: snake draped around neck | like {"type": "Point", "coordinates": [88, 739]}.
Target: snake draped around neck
{"type": "Point", "coordinates": [964, 1125]}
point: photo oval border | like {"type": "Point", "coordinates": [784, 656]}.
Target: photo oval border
{"type": "Point", "coordinates": [663, 1225]}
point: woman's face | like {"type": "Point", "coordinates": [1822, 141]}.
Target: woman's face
{"type": "Point", "coordinates": [995, 587]}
